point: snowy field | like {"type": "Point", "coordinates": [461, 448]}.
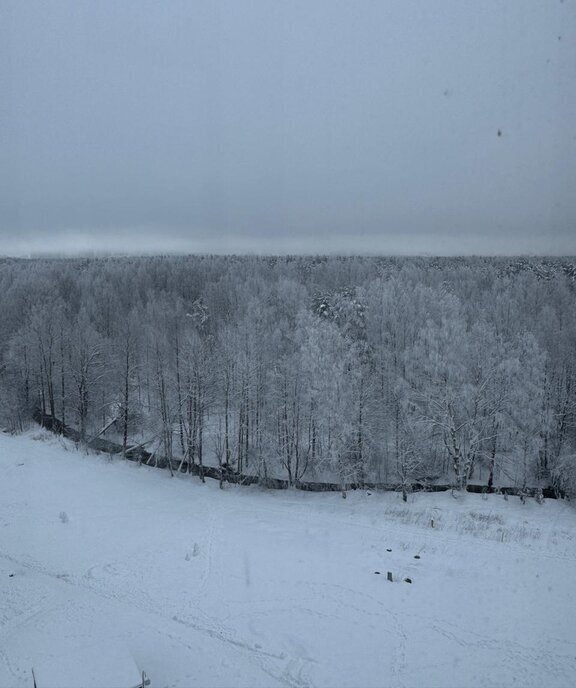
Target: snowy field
{"type": "Point", "coordinates": [245, 587]}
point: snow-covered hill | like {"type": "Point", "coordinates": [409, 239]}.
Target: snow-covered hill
{"type": "Point", "coordinates": [243, 587]}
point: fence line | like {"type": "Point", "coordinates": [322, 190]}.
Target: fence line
{"type": "Point", "coordinates": [225, 474]}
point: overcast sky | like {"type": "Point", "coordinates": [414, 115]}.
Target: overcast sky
{"type": "Point", "coordinates": [385, 126]}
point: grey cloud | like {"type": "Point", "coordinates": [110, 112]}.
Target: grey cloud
{"type": "Point", "coordinates": [258, 126]}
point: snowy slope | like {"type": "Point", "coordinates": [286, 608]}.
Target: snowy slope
{"type": "Point", "coordinates": [244, 587]}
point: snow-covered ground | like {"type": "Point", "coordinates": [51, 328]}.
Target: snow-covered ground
{"type": "Point", "coordinates": [245, 587]}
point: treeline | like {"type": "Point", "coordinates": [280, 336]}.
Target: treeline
{"type": "Point", "coordinates": [348, 370]}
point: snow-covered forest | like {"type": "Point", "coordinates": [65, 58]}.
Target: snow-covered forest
{"type": "Point", "coordinates": [344, 369]}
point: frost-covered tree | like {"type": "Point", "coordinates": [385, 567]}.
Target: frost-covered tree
{"type": "Point", "coordinates": [330, 366]}
{"type": "Point", "coordinates": [449, 372]}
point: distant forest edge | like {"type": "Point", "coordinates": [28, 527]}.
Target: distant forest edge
{"type": "Point", "coordinates": [336, 371]}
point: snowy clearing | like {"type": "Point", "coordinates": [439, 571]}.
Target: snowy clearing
{"type": "Point", "coordinates": [244, 587]}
